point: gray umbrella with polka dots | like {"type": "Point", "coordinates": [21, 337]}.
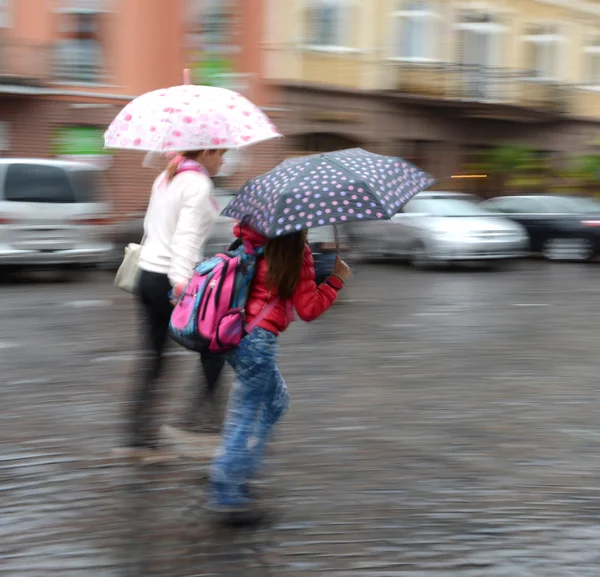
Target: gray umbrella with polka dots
{"type": "Point", "coordinates": [327, 189]}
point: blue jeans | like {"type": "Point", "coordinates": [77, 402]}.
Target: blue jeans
{"type": "Point", "coordinates": [258, 400]}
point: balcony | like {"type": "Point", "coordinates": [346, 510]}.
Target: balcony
{"type": "Point", "coordinates": [24, 63]}
{"type": "Point", "coordinates": [480, 90]}
{"type": "Point", "coordinates": [79, 61]}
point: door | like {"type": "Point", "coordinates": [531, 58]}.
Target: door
{"type": "Point", "coordinates": [530, 212]}
{"type": "Point", "coordinates": [480, 56]}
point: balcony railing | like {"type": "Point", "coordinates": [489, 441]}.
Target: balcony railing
{"type": "Point", "coordinates": [24, 62]}
{"type": "Point", "coordinates": [37, 64]}
{"type": "Point", "coordinates": [479, 84]}
{"type": "Point", "coordinates": [78, 61]}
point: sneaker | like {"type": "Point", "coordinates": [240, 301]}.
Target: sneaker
{"type": "Point", "coordinates": [223, 499]}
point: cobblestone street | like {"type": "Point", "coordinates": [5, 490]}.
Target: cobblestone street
{"type": "Point", "coordinates": [443, 423]}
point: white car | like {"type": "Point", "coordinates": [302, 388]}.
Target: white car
{"type": "Point", "coordinates": [53, 213]}
{"type": "Point", "coordinates": [442, 227]}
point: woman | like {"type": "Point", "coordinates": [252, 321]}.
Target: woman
{"type": "Point", "coordinates": [284, 280]}
{"type": "Point", "coordinates": [179, 218]}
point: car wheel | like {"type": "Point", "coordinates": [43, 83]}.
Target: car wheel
{"type": "Point", "coordinates": [567, 249]}
{"type": "Point", "coordinates": [418, 256]}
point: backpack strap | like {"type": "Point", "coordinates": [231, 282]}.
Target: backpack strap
{"type": "Point", "coordinates": [266, 311]}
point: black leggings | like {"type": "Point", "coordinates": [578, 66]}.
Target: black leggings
{"type": "Point", "coordinates": [156, 309]}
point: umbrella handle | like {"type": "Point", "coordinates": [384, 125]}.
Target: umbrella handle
{"type": "Point", "coordinates": [337, 240]}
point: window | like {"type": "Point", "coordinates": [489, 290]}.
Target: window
{"type": "Point", "coordinates": [79, 49]}
{"type": "Point", "coordinates": [592, 57]}
{"type": "Point", "coordinates": [211, 43]}
{"type": "Point", "coordinates": [544, 46]}
{"type": "Point", "coordinates": [480, 39]}
{"type": "Point", "coordinates": [443, 207]}
{"type": "Point", "coordinates": [329, 24]}
{"type": "Point", "coordinates": [417, 31]}
{"type": "Point", "coordinates": [38, 183]}
{"type": "Point", "coordinates": [5, 13]}
{"type": "Point", "coordinates": [517, 205]}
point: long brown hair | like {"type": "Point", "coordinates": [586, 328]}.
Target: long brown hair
{"type": "Point", "coordinates": [284, 256]}
{"type": "Point", "coordinates": [174, 164]}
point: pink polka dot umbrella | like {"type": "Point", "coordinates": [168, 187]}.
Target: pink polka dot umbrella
{"type": "Point", "coordinates": [327, 189]}
{"type": "Point", "coordinates": [189, 117]}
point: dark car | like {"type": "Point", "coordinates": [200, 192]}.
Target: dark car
{"type": "Point", "coordinates": [560, 227]}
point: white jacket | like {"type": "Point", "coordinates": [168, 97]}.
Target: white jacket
{"type": "Point", "coordinates": [180, 216]}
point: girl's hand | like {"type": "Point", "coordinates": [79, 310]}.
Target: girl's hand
{"type": "Point", "coordinates": [341, 269]}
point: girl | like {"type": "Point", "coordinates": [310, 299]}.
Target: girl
{"type": "Point", "coordinates": [179, 218]}
{"type": "Point", "coordinates": [284, 279]}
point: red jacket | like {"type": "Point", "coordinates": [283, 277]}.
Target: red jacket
{"type": "Point", "coordinates": [309, 300]}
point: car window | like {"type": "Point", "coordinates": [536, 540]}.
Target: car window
{"type": "Point", "coordinates": [575, 205]}
{"type": "Point", "coordinates": [444, 206]}
{"type": "Point", "coordinates": [38, 183]}
{"type": "Point", "coordinates": [88, 184]}
{"type": "Point", "coordinates": [518, 205]}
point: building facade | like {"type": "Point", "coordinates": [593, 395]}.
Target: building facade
{"type": "Point", "coordinates": [437, 81]}
{"type": "Point", "coordinates": [68, 66]}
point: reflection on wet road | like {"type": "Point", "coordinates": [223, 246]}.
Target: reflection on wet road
{"type": "Point", "coordinates": [443, 423]}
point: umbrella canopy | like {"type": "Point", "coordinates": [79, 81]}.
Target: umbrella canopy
{"type": "Point", "coordinates": [189, 117]}
{"type": "Point", "coordinates": [327, 189]}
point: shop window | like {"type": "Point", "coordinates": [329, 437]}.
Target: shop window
{"type": "Point", "coordinates": [316, 143]}
{"type": "Point", "coordinates": [415, 151]}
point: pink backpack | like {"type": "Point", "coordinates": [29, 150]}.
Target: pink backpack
{"type": "Point", "coordinates": [210, 314]}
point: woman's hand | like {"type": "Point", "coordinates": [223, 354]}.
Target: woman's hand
{"type": "Point", "coordinates": [177, 291]}
{"type": "Point", "coordinates": [341, 269]}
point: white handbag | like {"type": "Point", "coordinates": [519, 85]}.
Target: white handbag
{"type": "Point", "coordinates": [128, 274]}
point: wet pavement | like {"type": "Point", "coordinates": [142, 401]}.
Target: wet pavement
{"type": "Point", "coordinates": [443, 423]}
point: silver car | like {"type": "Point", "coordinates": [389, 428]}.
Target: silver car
{"type": "Point", "coordinates": [221, 235]}
{"type": "Point", "coordinates": [438, 227]}
{"type": "Point", "coordinates": [52, 213]}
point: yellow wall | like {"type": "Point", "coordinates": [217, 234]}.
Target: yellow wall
{"type": "Point", "coordinates": [369, 65]}
{"type": "Point", "coordinates": [332, 69]}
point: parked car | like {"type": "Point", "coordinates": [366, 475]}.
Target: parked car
{"type": "Point", "coordinates": [559, 227]}
{"type": "Point", "coordinates": [321, 240]}
{"type": "Point", "coordinates": [441, 227]}
{"type": "Point", "coordinates": [53, 213]}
